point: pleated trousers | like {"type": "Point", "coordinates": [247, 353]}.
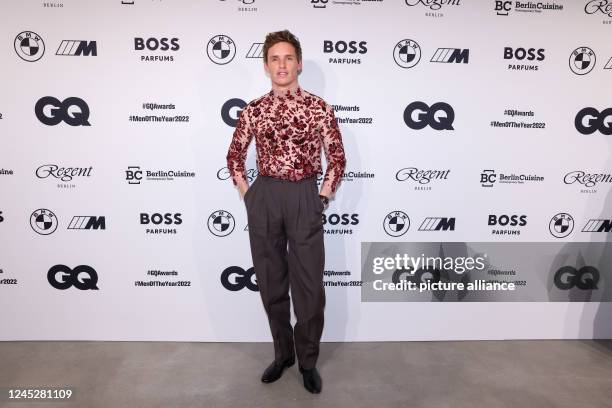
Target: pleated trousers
{"type": "Point", "coordinates": [287, 247]}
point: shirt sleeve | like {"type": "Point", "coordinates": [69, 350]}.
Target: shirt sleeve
{"type": "Point", "coordinates": [334, 150]}
{"type": "Point", "coordinates": [237, 151]}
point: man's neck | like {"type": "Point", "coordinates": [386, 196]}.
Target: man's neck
{"type": "Point", "coordinates": [291, 89]}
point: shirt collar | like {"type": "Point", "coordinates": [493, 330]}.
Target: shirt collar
{"type": "Point", "coordinates": [291, 92]}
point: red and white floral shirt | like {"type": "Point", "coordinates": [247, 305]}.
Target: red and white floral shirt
{"type": "Point", "coordinates": [290, 127]}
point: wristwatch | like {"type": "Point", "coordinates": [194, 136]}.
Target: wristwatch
{"type": "Point", "coordinates": [324, 200]}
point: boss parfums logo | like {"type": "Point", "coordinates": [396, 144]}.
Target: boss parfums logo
{"type": "Point", "coordinates": [527, 58]}
{"type": "Point", "coordinates": [339, 223]}
{"type": "Point", "coordinates": [221, 49]}
{"type": "Point", "coordinates": [504, 224]}
{"type": "Point", "coordinates": [407, 53]}
{"type": "Point", "coordinates": [341, 48]}
{"type": "Point", "coordinates": [163, 221]}
{"type": "Point", "coordinates": [161, 47]}
{"type": "Point", "coordinates": [29, 46]}
{"type": "Point", "coordinates": [439, 116]}
{"type": "Point", "coordinates": [73, 111]}
{"type": "Point", "coordinates": [236, 278]}
{"type": "Point", "coordinates": [396, 223]}
{"type": "Point", "coordinates": [82, 277]}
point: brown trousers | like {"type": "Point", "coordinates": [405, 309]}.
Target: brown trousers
{"type": "Point", "coordinates": [282, 212]}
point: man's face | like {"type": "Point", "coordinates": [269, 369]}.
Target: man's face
{"type": "Point", "coordinates": [282, 64]}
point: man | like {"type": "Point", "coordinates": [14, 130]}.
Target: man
{"type": "Point", "coordinates": [283, 205]}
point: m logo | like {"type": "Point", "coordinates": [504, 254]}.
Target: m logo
{"type": "Point", "coordinates": [449, 55]}
{"type": "Point", "coordinates": [256, 51]}
{"type": "Point", "coordinates": [598, 226]}
{"type": "Point", "coordinates": [235, 278]}
{"type": "Point", "coordinates": [87, 223]}
{"type": "Point", "coordinates": [437, 224]}
{"type": "Point", "coordinates": [77, 48]}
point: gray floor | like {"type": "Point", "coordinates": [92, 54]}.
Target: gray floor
{"type": "Point", "coordinates": [516, 374]}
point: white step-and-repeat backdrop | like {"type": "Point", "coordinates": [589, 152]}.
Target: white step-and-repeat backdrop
{"type": "Point", "coordinates": [463, 121]}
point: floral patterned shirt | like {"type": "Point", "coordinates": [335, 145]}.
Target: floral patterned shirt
{"type": "Point", "coordinates": [290, 127]}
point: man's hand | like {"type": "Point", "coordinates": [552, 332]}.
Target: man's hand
{"type": "Point", "coordinates": [243, 186]}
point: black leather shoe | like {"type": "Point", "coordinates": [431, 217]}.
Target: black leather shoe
{"type": "Point", "coordinates": [275, 370]}
{"type": "Point", "coordinates": [312, 380]}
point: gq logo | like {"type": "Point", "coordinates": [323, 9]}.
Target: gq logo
{"type": "Point", "coordinates": [51, 111]}
{"type": "Point", "coordinates": [589, 120]}
{"type": "Point", "coordinates": [585, 278]}
{"type": "Point", "coordinates": [82, 277]}
{"type": "Point", "coordinates": [439, 116]}
{"type": "Point", "coordinates": [235, 278]}
{"type": "Point", "coordinates": [230, 114]}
